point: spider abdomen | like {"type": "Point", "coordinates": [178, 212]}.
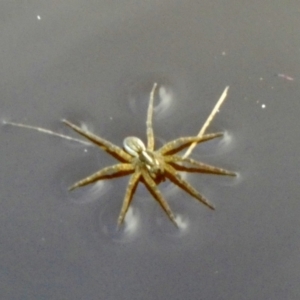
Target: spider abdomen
{"type": "Point", "coordinates": [133, 145]}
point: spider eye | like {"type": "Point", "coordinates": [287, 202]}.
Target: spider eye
{"type": "Point", "coordinates": [133, 145]}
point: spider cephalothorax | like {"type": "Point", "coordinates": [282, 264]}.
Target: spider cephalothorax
{"type": "Point", "coordinates": [144, 158]}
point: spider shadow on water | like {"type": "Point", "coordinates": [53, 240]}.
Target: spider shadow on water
{"type": "Point", "coordinates": [145, 164]}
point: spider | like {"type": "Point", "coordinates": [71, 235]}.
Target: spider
{"type": "Point", "coordinates": [145, 164]}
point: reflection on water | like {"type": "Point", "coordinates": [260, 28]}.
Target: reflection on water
{"type": "Point", "coordinates": [163, 100]}
{"type": "Point", "coordinates": [164, 224]}
{"type": "Point", "coordinates": [89, 193]}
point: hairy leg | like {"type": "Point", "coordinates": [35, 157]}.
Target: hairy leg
{"type": "Point", "coordinates": [109, 147]}
{"type": "Point", "coordinates": [183, 142]}
{"type": "Point", "coordinates": [132, 184]}
{"type": "Point", "coordinates": [108, 172]}
{"type": "Point", "coordinates": [47, 131]}
{"type": "Point", "coordinates": [208, 121]}
{"type": "Point", "coordinates": [195, 166]}
{"type": "Point", "coordinates": [152, 187]}
{"type": "Point", "coordinates": [150, 134]}
{"type": "Point", "coordinates": [173, 176]}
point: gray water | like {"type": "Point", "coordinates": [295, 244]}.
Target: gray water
{"type": "Point", "coordinates": [94, 64]}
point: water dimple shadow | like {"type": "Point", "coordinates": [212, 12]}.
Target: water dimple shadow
{"type": "Point", "coordinates": [106, 224]}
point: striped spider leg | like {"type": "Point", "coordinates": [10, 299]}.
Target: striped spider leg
{"type": "Point", "coordinates": [144, 163]}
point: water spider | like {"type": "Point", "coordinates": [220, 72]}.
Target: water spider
{"type": "Point", "coordinates": [145, 164]}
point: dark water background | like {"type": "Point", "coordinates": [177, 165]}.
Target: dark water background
{"type": "Point", "coordinates": [94, 62]}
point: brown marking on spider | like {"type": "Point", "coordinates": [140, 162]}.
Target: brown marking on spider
{"type": "Point", "coordinates": [147, 165]}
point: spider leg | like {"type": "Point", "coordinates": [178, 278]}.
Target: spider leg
{"type": "Point", "coordinates": [150, 134]}
{"type": "Point", "coordinates": [132, 184]}
{"type": "Point", "coordinates": [208, 121]}
{"type": "Point", "coordinates": [183, 142]}
{"type": "Point", "coordinates": [47, 131]}
{"type": "Point", "coordinates": [176, 179]}
{"type": "Point", "coordinates": [196, 166]}
{"type": "Point", "coordinates": [109, 147]}
{"type": "Point", "coordinates": [152, 187]}
{"type": "Point", "coordinates": [108, 172]}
